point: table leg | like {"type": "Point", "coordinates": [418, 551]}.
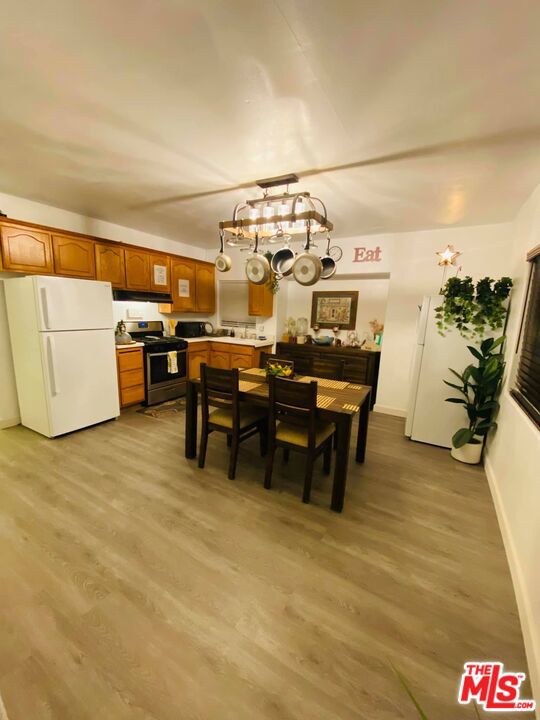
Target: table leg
{"type": "Point", "coordinates": [363, 421]}
{"type": "Point", "coordinates": [344, 426]}
{"type": "Point", "coordinates": [191, 420]}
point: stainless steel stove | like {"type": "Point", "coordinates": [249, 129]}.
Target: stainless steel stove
{"type": "Point", "coordinates": [165, 361]}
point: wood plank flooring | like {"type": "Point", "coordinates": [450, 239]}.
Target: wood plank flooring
{"type": "Point", "coordinates": [133, 585]}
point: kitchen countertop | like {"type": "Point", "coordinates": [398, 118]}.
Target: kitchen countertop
{"type": "Point", "coordinates": [130, 345]}
{"type": "Point", "coordinates": [231, 341]}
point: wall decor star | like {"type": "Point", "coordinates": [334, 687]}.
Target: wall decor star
{"type": "Point", "coordinates": [448, 256]}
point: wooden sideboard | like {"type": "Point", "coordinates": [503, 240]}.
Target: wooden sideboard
{"type": "Point", "coordinates": [361, 366]}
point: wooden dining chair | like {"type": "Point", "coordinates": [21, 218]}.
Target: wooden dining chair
{"type": "Point", "coordinates": [238, 420]}
{"type": "Point", "coordinates": [327, 368]}
{"type": "Point", "coordinates": [265, 357]}
{"type": "Point", "coordinates": [293, 425]}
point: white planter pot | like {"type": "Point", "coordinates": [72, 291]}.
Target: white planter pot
{"type": "Point", "coordinates": [469, 453]}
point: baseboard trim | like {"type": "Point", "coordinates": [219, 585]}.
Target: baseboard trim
{"type": "Point", "coordinates": [10, 422]}
{"type": "Point", "coordinates": [526, 616]}
{"type": "Point", "coordinates": [385, 410]}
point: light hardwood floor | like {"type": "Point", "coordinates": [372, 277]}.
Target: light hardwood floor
{"type": "Point", "coordinates": [133, 585]}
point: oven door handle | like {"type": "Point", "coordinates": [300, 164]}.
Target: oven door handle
{"type": "Point", "coordinates": [151, 354]}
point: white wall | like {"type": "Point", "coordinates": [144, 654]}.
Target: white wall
{"type": "Point", "coordinates": [26, 210]}
{"type": "Point", "coordinates": [295, 300]}
{"type": "Point", "coordinates": [414, 273]}
{"type": "Point", "coordinates": [372, 298]}
{"type": "Point", "coordinates": [513, 456]}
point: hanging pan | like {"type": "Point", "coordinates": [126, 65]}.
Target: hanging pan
{"type": "Point", "coordinates": [328, 263]}
{"type": "Point", "coordinates": [283, 260]}
{"type": "Point", "coordinates": [223, 262]}
{"type": "Point", "coordinates": [307, 267]}
{"type": "Point", "coordinates": [257, 266]}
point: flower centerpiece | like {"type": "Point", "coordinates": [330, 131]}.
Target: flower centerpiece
{"type": "Point", "coordinates": [280, 368]}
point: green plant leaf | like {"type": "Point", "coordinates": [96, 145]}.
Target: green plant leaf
{"type": "Point", "coordinates": [486, 345]}
{"type": "Point", "coordinates": [476, 374]}
{"type": "Point", "coordinates": [452, 385]}
{"type": "Point", "coordinates": [461, 437]}
{"type": "Point", "coordinates": [490, 405]}
{"type": "Point", "coordinates": [475, 352]}
{"type": "Point", "coordinates": [456, 373]}
{"type": "Point", "coordinates": [455, 400]}
{"type": "Point", "coordinates": [498, 341]}
{"type": "Point", "coordinates": [405, 685]}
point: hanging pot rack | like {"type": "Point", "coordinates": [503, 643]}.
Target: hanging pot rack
{"type": "Point", "coordinates": [280, 218]}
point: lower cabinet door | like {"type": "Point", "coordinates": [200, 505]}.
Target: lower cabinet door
{"type": "Point", "coordinates": [241, 360]}
{"type": "Point", "coordinates": [195, 359]}
{"type": "Point", "coordinates": [220, 359]}
{"type": "Point", "coordinates": [131, 395]}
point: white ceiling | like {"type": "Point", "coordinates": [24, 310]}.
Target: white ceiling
{"type": "Point", "coordinates": [116, 109]}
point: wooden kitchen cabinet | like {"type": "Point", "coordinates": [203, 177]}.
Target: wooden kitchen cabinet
{"type": "Point", "coordinates": [183, 285]}
{"type": "Point", "coordinates": [205, 287]}
{"type": "Point", "coordinates": [25, 249]}
{"type": "Point", "coordinates": [130, 367]}
{"type": "Point", "coordinates": [229, 355]}
{"type": "Point", "coordinates": [240, 360]}
{"type": "Point", "coordinates": [74, 257]}
{"type": "Point", "coordinates": [137, 264]}
{"type": "Point", "coordinates": [110, 264]}
{"type": "Point", "coordinates": [220, 359]}
{"type": "Point", "coordinates": [198, 353]}
{"type": "Point", "coordinates": [260, 301]}
{"type": "Point", "coordinates": [160, 271]}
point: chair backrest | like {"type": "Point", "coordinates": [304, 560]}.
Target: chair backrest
{"type": "Point", "coordinates": [327, 368]}
{"type": "Point", "coordinates": [265, 357]}
{"type": "Point", "coordinates": [219, 388]}
{"type": "Point", "coordinates": [294, 403]}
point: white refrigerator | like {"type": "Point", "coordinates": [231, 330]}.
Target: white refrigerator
{"type": "Point", "coordinates": [429, 418]}
{"type": "Point", "coordinates": [62, 339]}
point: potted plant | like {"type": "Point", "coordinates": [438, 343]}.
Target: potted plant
{"type": "Point", "coordinates": [472, 308]}
{"type": "Point", "coordinates": [479, 385]}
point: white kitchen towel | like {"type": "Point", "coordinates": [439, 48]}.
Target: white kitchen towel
{"type": "Point", "coordinates": [172, 362]}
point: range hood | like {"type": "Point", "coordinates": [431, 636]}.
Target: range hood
{"type": "Point", "coordinates": [136, 296]}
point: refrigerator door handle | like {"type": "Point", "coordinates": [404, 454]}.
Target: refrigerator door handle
{"type": "Point", "coordinates": [53, 377]}
{"type": "Point", "coordinates": [45, 307]}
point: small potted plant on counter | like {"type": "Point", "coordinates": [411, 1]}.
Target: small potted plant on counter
{"type": "Point", "coordinates": [479, 385]}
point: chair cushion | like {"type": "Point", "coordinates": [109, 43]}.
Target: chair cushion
{"type": "Point", "coordinates": [296, 435]}
{"type": "Point", "coordinates": [248, 414]}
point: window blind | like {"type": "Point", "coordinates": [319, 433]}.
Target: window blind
{"type": "Point", "coordinates": [527, 386]}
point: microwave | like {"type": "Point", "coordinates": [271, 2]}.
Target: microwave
{"type": "Point", "coordinates": [189, 329]}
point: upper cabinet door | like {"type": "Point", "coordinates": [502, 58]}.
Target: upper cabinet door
{"type": "Point", "coordinates": [183, 285]}
{"type": "Point", "coordinates": [74, 257]}
{"type": "Point", "coordinates": [260, 301]}
{"type": "Point", "coordinates": [137, 269]}
{"type": "Point", "coordinates": [26, 250]}
{"type": "Point", "coordinates": [206, 287]}
{"type": "Point", "coordinates": [160, 273]}
{"type": "Point", "coordinates": [110, 265]}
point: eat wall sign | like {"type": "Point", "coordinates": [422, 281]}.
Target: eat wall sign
{"type": "Point", "coordinates": [364, 254]}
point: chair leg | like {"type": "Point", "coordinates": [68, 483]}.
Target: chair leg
{"type": "Point", "coordinates": [335, 439]}
{"type": "Point", "coordinates": [327, 457]}
{"type": "Point", "coordinates": [263, 439]}
{"type": "Point", "coordinates": [286, 453]}
{"type": "Point", "coordinates": [307, 479]}
{"type": "Point", "coordinates": [202, 448]}
{"type": "Point", "coordinates": [269, 467]}
{"type": "Point", "coordinates": [235, 444]}
{"type": "Point", "coordinates": [229, 440]}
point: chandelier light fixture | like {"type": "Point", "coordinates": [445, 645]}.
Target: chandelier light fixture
{"type": "Point", "coordinates": [279, 218]}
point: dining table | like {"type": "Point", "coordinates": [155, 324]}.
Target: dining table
{"type": "Point", "coordinates": [338, 401]}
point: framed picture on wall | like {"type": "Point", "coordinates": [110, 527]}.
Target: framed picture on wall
{"type": "Point", "coordinates": [334, 308]}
